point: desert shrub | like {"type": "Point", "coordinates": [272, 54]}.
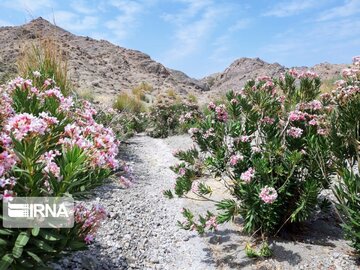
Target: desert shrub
{"type": "Point", "coordinates": [192, 98]}
{"type": "Point", "coordinates": [126, 103]}
{"type": "Point", "coordinates": [123, 124]}
{"type": "Point", "coordinates": [170, 118]}
{"type": "Point", "coordinates": [267, 145]}
{"type": "Point", "coordinates": [43, 60]}
{"type": "Point", "coordinates": [50, 146]}
{"type": "Point", "coordinates": [345, 140]}
{"type": "Point", "coordinates": [141, 90]}
{"type": "Point", "coordinates": [86, 94]}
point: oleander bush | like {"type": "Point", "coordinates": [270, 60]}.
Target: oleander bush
{"type": "Point", "coordinates": [169, 117]}
{"type": "Point", "coordinates": [345, 141]}
{"type": "Point", "coordinates": [50, 145]}
{"type": "Point", "coordinates": [124, 124]}
{"type": "Point", "coordinates": [267, 145]}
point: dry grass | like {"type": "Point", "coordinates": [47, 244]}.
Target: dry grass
{"type": "Point", "coordinates": [126, 103]}
{"type": "Point", "coordinates": [44, 56]}
{"type": "Point", "coordinates": [86, 94]}
{"type": "Point", "coordinates": [192, 98]}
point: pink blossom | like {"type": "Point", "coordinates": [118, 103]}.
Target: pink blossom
{"type": "Point", "coordinates": [88, 239]}
{"type": "Point", "coordinates": [268, 195]}
{"type": "Point", "coordinates": [315, 105]}
{"type": "Point", "coordinates": [8, 195]}
{"type": "Point", "coordinates": [211, 223]}
{"type": "Point", "coordinates": [248, 175]}
{"type": "Point", "coordinates": [210, 132]}
{"type": "Point", "coordinates": [182, 171]}
{"type": "Point", "coordinates": [322, 131]}
{"type": "Point", "coordinates": [294, 132]}
{"type": "Point", "coordinates": [221, 113]}
{"type": "Point", "coordinates": [24, 124]}
{"type": "Point", "coordinates": [296, 116]}
{"type": "Point", "coordinates": [125, 181]}
{"type": "Point", "coordinates": [234, 159]}
{"type": "Point", "coordinates": [308, 74]}
{"type": "Point", "coordinates": [356, 60]}
{"type": "Point", "coordinates": [193, 131]}
{"type": "Point", "coordinates": [267, 120]}
{"type": "Point", "coordinates": [293, 72]}
{"type": "Point", "coordinates": [211, 106]}
{"type": "Point", "coordinates": [234, 101]}
{"type": "Point", "coordinates": [313, 122]}
{"type": "Point", "coordinates": [244, 138]}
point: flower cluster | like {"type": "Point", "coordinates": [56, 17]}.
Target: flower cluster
{"type": "Point", "coordinates": [89, 219]}
{"type": "Point", "coordinates": [221, 113]}
{"type": "Point", "coordinates": [268, 195]}
{"type": "Point", "coordinates": [248, 175]}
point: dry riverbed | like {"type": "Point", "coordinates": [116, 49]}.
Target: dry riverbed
{"type": "Point", "coordinates": [141, 231]}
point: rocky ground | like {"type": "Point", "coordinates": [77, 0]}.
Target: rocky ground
{"type": "Point", "coordinates": [141, 232]}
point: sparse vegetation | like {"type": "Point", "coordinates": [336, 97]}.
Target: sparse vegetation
{"type": "Point", "coordinates": [43, 57]}
{"type": "Point", "coordinates": [127, 103]}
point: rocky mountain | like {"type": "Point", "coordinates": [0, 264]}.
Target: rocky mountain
{"type": "Point", "coordinates": [243, 69]}
{"type": "Point", "coordinates": [96, 66]}
{"type": "Point", "coordinates": [104, 69]}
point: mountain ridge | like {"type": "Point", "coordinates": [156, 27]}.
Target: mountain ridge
{"type": "Point", "coordinates": [106, 69]}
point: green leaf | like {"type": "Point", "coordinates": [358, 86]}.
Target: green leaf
{"type": "Point", "coordinates": [22, 239]}
{"type": "Point", "coordinates": [35, 257]}
{"type": "Point", "coordinates": [35, 231]}
{"type": "Point", "coordinates": [6, 261]}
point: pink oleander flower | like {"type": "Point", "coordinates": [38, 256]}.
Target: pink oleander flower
{"type": "Point", "coordinates": [210, 132]}
{"type": "Point", "coordinates": [88, 239]}
{"type": "Point", "coordinates": [193, 131]}
{"type": "Point", "coordinates": [211, 106]}
{"type": "Point", "coordinates": [296, 116]}
{"type": "Point", "coordinates": [7, 182]}
{"type": "Point", "coordinates": [24, 124]}
{"type": "Point", "coordinates": [8, 195]}
{"type": "Point", "coordinates": [234, 159]}
{"type": "Point", "coordinates": [125, 181]}
{"type": "Point", "coordinates": [295, 132]}
{"type": "Point", "coordinates": [211, 223]}
{"type": "Point", "coordinates": [234, 101]}
{"type": "Point", "coordinates": [268, 195]}
{"type": "Point", "coordinates": [315, 105]}
{"type": "Point", "coordinates": [267, 120]}
{"type": "Point", "coordinates": [255, 149]}
{"type": "Point", "coordinates": [313, 122]}
{"type": "Point", "coordinates": [50, 120]}
{"type": "Point", "coordinates": [244, 138]}
{"type": "Point", "coordinates": [322, 131]}
{"type": "Point", "coordinates": [248, 175]}
{"type": "Point", "coordinates": [221, 113]}
{"type": "Point", "coordinates": [7, 161]}
{"type": "Point", "coordinates": [340, 83]}
{"type": "Point", "coordinates": [293, 72]}
{"type": "Point", "coordinates": [182, 171]}
{"type": "Point", "coordinates": [356, 60]}
{"type": "Point", "coordinates": [308, 74]}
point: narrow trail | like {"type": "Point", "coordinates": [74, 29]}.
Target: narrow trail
{"type": "Point", "coordinates": [141, 231]}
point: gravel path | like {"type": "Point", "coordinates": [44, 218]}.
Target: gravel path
{"type": "Point", "coordinates": [141, 232]}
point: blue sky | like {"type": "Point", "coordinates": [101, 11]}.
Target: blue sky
{"type": "Point", "coordinates": [200, 37]}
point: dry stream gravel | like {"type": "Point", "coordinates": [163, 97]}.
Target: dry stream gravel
{"type": "Point", "coordinates": [141, 231]}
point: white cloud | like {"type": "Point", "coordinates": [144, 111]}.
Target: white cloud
{"type": "Point", "coordinates": [193, 26]}
{"type": "Point", "coordinates": [290, 8]}
{"type": "Point", "coordinates": [81, 6]}
{"type": "Point", "coordinates": [350, 7]}
{"type": "Point", "coordinates": [74, 22]}
{"type": "Point", "coordinates": [28, 5]}
{"type": "Point", "coordinates": [122, 24]}
{"type": "Point", "coordinates": [327, 39]}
